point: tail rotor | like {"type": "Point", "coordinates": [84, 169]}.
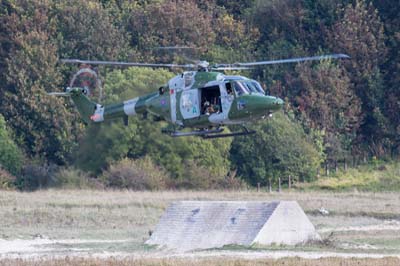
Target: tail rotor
{"type": "Point", "coordinates": [88, 80]}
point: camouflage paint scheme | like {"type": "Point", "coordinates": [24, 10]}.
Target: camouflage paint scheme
{"type": "Point", "coordinates": [179, 102]}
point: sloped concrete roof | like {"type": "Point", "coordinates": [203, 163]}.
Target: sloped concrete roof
{"type": "Point", "coordinates": [190, 225]}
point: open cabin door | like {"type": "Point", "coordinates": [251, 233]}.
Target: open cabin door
{"type": "Point", "coordinates": [221, 99]}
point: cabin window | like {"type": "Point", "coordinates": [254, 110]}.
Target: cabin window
{"type": "Point", "coordinates": [210, 100]}
{"type": "Point", "coordinates": [228, 87]}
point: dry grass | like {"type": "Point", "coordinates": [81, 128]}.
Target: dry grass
{"type": "Point", "coordinates": [205, 262]}
{"type": "Point", "coordinates": [116, 215]}
{"type": "Point", "coordinates": [128, 214]}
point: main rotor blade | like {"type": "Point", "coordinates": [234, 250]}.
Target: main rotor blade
{"type": "Point", "coordinates": [230, 68]}
{"type": "Point", "coordinates": [126, 64]}
{"type": "Point", "coordinates": [283, 61]}
{"type": "Point", "coordinates": [63, 94]}
{"type": "Point", "coordinates": [174, 48]}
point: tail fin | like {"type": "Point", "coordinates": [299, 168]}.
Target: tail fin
{"type": "Point", "coordinates": [89, 111]}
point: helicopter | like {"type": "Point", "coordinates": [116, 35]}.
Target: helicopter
{"type": "Point", "coordinates": [201, 98]}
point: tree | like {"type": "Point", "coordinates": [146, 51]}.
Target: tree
{"type": "Point", "coordinates": [388, 11]}
{"type": "Point", "coordinates": [280, 148]}
{"type": "Point", "coordinates": [86, 30]}
{"type": "Point", "coordinates": [166, 23]}
{"type": "Point", "coordinates": [359, 33]}
{"type": "Point", "coordinates": [10, 155]}
{"type": "Point", "coordinates": [43, 126]}
{"type": "Point", "coordinates": [328, 103]}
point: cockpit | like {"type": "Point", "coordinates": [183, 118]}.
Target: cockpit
{"type": "Point", "coordinates": [247, 87]}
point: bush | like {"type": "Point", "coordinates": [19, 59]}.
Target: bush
{"type": "Point", "coordinates": [36, 177]}
{"type": "Point", "coordinates": [199, 177]}
{"type": "Point", "coordinates": [7, 180]}
{"type": "Point", "coordinates": [140, 174]}
{"type": "Point", "coordinates": [71, 178]}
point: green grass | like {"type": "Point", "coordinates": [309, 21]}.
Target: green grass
{"type": "Point", "coordinates": [376, 176]}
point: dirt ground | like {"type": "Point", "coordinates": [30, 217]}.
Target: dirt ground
{"type": "Point", "coordinates": [104, 224]}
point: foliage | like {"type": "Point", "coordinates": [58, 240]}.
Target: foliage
{"type": "Point", "coordinates": [377, 176]}
{"type": "Point", "coordinates": [35, 176]}
{"type": "Point", "coordinates": [166, 23]}
{"type": "Point", "coordinates": [7, 180]}
{"type": "Point", "coordinates": [345, 106]}
{"type": "Point", "coordinates": [71, 178]}
{"type": "Point", "coordinates": [10, 155]}
{"type": "Point", "coordinates": [140, 174]}
{"type": "Point", "coordinates": [199, 177]}
{"type": "Point", "coordinates": [104, 144]}
{"type": "Point", "coordinates": [360, 34]}
{"type": "Point", "coordinates": [81, 26]}
{"type": "Point", "coordinates": [29, 69]}
{"type": "Point", "coordinates": [133, 82]}
{"type": "Point", "coordinates": [327, 104]}
{"type": "Point", "coordinates": [282, 148]}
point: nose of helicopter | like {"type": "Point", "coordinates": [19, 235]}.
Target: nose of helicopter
{"type": "Point", "coordinates": [265, 104]}
{"type": "Point", "coordinates": [274, 103]}
{"type": "Point", "coordinates": [278, 101]}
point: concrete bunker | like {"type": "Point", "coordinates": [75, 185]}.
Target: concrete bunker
{"type": "Point", "coordinates": [191, 225]}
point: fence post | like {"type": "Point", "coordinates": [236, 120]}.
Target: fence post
{"type": "Point", "coordinates": [290, 182]}
{"type": "Point", "coordinates": [258, 187]}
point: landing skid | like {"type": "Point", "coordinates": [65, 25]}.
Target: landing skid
{"type": "Point", "coordinates": [233, 134]}
{"type": "Point", "coordinates": [196, 133]}
{"type": "Point", "coordinates": [211, 134]}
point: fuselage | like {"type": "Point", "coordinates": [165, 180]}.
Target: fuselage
{"type": "Point", "coordinates": [198, 100]}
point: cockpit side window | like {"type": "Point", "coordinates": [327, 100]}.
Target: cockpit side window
{"type": "Point", "coordinates": [250, 87]}
{"type": "Point", "coordinates": [239, 88]}
{"type": "Point", "coordinates": [258, 87]}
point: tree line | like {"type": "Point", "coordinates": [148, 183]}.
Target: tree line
{"type": "Point", "coordinates": [334, 109]}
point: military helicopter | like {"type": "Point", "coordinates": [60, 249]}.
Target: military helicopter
{"type": "Point", "coordinates": [201, 98]}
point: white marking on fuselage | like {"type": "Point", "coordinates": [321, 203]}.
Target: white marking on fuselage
{"type": "Point", "coordinates": [98, 115]}
{"type": "Point", "coordinates": [175, 85]}
{"type": "Point", "coordinates": [129, 106]}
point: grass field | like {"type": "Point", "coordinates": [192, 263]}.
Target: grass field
{"type": "Point", "coordinates": [205, 262]}
{"type": "Point", "coordinates": [85, 222]}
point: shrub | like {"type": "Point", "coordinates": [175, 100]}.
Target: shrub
{"type": "Point", "coordinates": [36, 177]}
{"type": "Point", "coordinates": [200, 177]}
{"type": "Point", "coordinates": [7, 180]}
{"type": "Point", "coordinates": [140, 174]}
{"type": "Point", "coordinates": [72, 178]}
